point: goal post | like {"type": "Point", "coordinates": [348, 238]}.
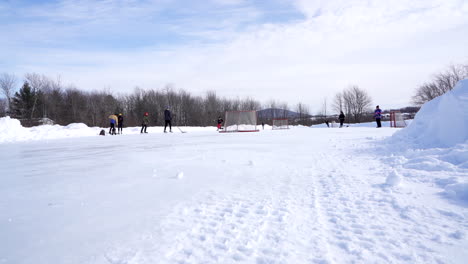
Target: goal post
{"type": "Point", "coordinates": [396, 119]}
{"type": "Point", "coordinates": [280, 123]}
{"type": "Point", "coordinates": [240, 121]}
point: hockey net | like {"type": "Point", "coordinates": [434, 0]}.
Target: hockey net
{"type": "Point", "coordinates": [396, 119]}
{"type": "Point", "coordinates": [280, 123]}
{"type": "Point", "coordinates": [240, 121]}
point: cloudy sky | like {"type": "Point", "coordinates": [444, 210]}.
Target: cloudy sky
{"type": "Point", "coordinates": [284, 50]}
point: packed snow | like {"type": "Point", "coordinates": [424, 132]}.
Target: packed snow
{"type": "Point", "coordinates": [301, 195]}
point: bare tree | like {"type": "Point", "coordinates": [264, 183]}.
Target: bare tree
{"type": "Point", "coordinates": [356, 102]}
{"type": "Point", "coordinates": [7, 84]}
{"type": "Point", "coordinates": [441, 83]}
{"type": "Point", "coordinates": [303, 111]}
{"type": "Point", "coordinates": [323, 111]}
{"type": "Point", "coordinates": [338, 103]}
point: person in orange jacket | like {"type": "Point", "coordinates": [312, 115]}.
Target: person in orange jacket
{"type": "Point", "coordinates": [113, 122]}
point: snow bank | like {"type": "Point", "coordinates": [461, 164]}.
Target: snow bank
{"type": "Point", "coordinates": [441, 122]}
{"type": "Point", "coordinates": [9, 128]}
{"type": "Point", "coordinates": [12, 131]}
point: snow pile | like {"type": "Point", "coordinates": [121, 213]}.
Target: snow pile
{"type": "Point", "coordinates": [12, 131]}
{"type": "Point", "coordinates": [393, 179]}
{"type": "Point", "coordinates": [10, 128]}
{"type": "Point", "coordinates": [441, 122]}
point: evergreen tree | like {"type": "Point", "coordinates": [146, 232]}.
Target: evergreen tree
{"type": "Point", "coordinates": [23, 102]}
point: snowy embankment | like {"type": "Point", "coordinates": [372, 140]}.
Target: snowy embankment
{"type": "Point", "coordinates": [303, 195]}
{"type": "Point", "coordinates": [437, 143]}
{"type": "Point", "coordinates": [11, 130]}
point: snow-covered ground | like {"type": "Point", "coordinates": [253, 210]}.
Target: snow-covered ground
{"type": "Point", "coordinates": [303, 195]}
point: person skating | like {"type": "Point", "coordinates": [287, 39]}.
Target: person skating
{"type": "Point", "coordinates": [120, 123]}
{"type": "Point", "coordinates": [378, 116]}
{"type": "Point", "coordinates": [113, 121]}
{"type": "Point", "coordinates": [167, 119]}
{"type": "Point", "coordinates": [220, 123]}
{"type": "Point", "coordinates": [145, 122]}
{"type": "Point", "coordinates": [341, 117]}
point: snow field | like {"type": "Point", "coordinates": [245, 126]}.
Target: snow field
{"type": "Point", "coordinates": [303, 195]}
{"type": "Point", "coordinates": [294, 196]}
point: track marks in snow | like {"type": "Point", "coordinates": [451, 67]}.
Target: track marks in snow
{"type": "Point", "coordinates": [229, 229]}
{"type": "Point", "coordinates": [269, 221]}
{"type": "Point", "coordinates": [369, 224]}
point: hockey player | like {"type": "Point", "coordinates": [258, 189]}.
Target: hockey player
{"type": "Point", "coordinates": [167, 119]}
{"type": "Point", "coordinates": [144, 123]}
{"type": "Point", "coordinates": [120, 123]}
{"type": "Point", "coordinates": [378, 116]}
{"type": "Point", "coordinates": [113, 121]}
{"type": "Point", "coordinates": [341, 117]}
{"type": "Point", "coordinates": [220, 123]}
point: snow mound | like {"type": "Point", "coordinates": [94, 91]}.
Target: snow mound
{"type": "Point", "coordinates": [393, 179]}
{"type": "Point", "coordinates": [441, 122]}
{"type": "Point", "coordinates": [9, 128]}
{"type": "Point", "coordinates": [76, 126]}
{"type": "Point", "coordinates": [180, 175]}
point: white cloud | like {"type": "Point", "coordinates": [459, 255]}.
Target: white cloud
{"type": "Point", "coordinates": [386, 48]}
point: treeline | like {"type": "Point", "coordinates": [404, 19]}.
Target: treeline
{"type": "Point", "coordinates": [41, 97]}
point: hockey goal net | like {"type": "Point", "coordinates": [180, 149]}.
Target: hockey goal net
{"type": "Point", "coordinates": [240, 121]}
{"type": "Point", "coordinates": [280, 123]}
{"type": "Point", "coordinates": [396, 119]}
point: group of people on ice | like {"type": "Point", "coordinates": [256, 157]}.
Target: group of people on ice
{"type": "Point", "coordinates": [118, 120]}
{"type": "Point", "coordinates": [377, 116]}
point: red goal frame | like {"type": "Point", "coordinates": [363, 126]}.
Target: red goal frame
{"type": "Point", "coordinates": [393, 121]}
{"type": "Point", "coordinates": [273, 126]}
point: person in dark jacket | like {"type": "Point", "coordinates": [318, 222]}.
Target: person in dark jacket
{"type": "Point", "coordinates": [341, 117]}
{"type": "Point", "coordinates": [378, 116]}
{"type": "Point", "coordinates": [220, 123]}
{"type": "Point", "coordinates": [167, 119]}
{"type": "Point", "coordinates": [120, 123]}
{"type": "Point", "coordinates": [145, 122]}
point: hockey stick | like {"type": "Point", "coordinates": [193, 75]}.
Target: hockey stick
{"type": "Point", "coordinates": [181, 130]}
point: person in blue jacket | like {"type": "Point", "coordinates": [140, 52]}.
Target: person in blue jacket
{"type": "Point", "coordinates": [378, 116]}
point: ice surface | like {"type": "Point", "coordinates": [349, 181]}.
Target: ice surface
{"type": "Point", "coordinates": [303, 195]}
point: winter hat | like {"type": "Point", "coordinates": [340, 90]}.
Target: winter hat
{"type": "Point", "coordinates": [146, 113]}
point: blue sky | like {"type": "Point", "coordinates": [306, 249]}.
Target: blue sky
{"type": "Point", "coordinates": [285, 50]}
